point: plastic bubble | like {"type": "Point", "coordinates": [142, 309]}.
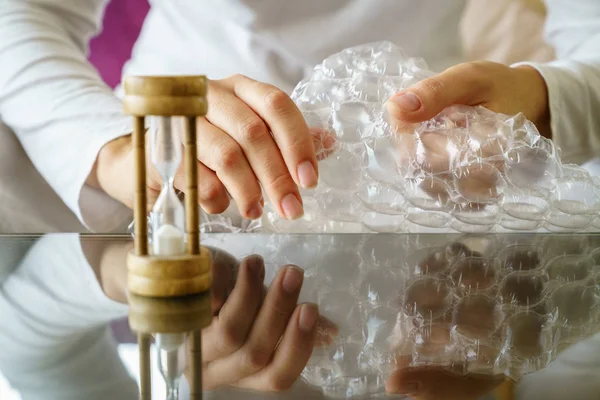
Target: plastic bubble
{"type": "Point", "coordinates": [468, 168]}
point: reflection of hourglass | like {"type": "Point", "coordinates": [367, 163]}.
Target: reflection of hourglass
{"type": "Point", "coordinates": [169, 286]}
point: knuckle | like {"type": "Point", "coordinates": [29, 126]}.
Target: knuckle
{"type": "Point", "coordinates": [255, 359]}
{"type": "Point", "coordinates": [279, 102]}
{"type": "Point", "coordinates": [235, 77]}
{"type": "Point", "coordinates": [253, 129]}
{"type": "Point", "coordinates": [300, 144]}
{"type": "Point", "coordinates": [279, 384]}
{"type": "Point", "coordinates": [211, 192]}
{"type": "Point", "coordinates": [229, 156]}
{"type": "Point", "coordinates": [475, 69]}
{"type": "Point", "coordinates": [434, 87]}
{"type": "Point", "coordinates": [281, 181]}
{"type": "Point", "coordinates": [229, 340]}
{"type": "Point", "coordinates": [281, 310]}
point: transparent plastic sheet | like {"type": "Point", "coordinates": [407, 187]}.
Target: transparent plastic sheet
{"type": "Point", "coordinates": [468, 169]}
{"type": "Point", "coordinates": [485, 304]}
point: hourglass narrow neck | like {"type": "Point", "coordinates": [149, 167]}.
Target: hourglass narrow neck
{"type": "Point", "coordinates": [165, 145]}
{"type": "Point", "coordinates": [168, 182]}
{"type": "Point", "coordinates": [173, 393]}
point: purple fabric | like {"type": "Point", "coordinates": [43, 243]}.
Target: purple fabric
{"type": "Point", "coordinates": [112, 48]}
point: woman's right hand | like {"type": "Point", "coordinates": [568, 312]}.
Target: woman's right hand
{"type": "Point", "coordinates": [253, 138]}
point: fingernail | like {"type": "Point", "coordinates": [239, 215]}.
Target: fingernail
{"type": "Point", "coordinates": [292, 279]}
{"type": "Point", "coordinates": [407, 101]}
{"type": "Point", "coordinates": [309, 313]}
{"type": "Point", "coordinates": [292, 208]}
{"type": "Point", "coordinates": [256, 265]}
{"type": "Point", "coordinates": [407, 388]}
{"type": "Point", "coordinates": [255, 212]}
{"type": "Point", "coordinates": [307, 175]}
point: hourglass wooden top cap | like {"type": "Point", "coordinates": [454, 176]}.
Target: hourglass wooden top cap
{"type": "Point", "coordinates": [165, 95]}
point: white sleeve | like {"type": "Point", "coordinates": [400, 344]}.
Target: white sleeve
{"type": "Point", "coordinates": [573, 80]}
{"type": "Point", "coordinates": [56, 103]}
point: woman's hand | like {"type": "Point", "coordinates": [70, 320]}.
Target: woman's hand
{"type": "Point", "coordinates": [494, 86]}
{"type": "Point", "coordinates": [261, 339]}
{"type": "Point", "coordinates": [252, 137]}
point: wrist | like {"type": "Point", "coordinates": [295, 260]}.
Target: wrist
{"type": "Point", "coordinates": [108, 174]}
{"type": "Point", "coordinates": [536, 92]}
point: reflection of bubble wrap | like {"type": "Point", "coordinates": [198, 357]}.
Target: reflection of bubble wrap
{"type": "Point", "coordinates": [468, 168]}
{"type": "Point", "coordinates": [489, 304]}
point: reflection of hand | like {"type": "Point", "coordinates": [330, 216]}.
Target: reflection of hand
{"type": "Point", "coordinates": [260, 341]}
{"type": "Point", "coordinates": [422, 383]}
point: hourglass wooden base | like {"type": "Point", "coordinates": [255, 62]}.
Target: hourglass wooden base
{"type": "Point", "coordinates": [171, 276]}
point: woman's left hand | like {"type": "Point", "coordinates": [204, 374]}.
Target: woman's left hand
{"type": "Point", "coordinates": [497, 87]}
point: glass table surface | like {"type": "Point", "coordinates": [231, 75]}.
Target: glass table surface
{"type": "Point", "coordinates": [446, 316]}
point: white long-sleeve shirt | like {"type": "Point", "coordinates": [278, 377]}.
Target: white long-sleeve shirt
{"type": "Point", "coordinates": [63, 114]}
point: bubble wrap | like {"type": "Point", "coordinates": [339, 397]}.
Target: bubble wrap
{"type": "Point", "coordinates": [467, 169]}
{"type": "Point", "coordinates": [479, 303]}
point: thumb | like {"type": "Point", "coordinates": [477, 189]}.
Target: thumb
{"type": "Point", "coordinates": [467, 84]}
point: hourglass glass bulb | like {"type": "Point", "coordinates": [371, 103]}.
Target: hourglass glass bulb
{"type": "Point", "coordinates": [168, 219]}
{"type": "Point", "coordinates": [166, 146]}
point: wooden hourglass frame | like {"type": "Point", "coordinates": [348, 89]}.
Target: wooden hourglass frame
{"type": "Point", "coordinates": [169, 294]}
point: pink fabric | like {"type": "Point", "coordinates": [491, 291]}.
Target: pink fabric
{"type": "Point", "coordinates": [112, 48]}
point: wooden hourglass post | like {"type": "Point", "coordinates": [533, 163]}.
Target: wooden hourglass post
{"type": "Point", "coordinates": [168, 278]}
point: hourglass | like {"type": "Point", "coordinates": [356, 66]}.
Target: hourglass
{"type": "Point", "coordinates": [175, 274]}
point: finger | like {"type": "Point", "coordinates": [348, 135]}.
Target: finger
{"type": "Point", "coordinates": [225, 267]}
{"type": "Point", "coordinates": [241, 122]}
{"type": "Point", "coordinates": [269, 326]}
{"type": "Point", "coordinates": [212, 195]}
{"type": "Point", "coordinates": [468, 84]}
{"type": "Point", "coordinates": [219, 152]}
{"type": "Point", "coordinates": [327, 330]}
{"type": "Point", "coordinates": [229, 330]}
{"type": "Point", "coordinates": [291, 355]}
{"type": "Point", "coordinates": [425, 383]}
{"type": "Point", "coordinates": [286, 123]}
